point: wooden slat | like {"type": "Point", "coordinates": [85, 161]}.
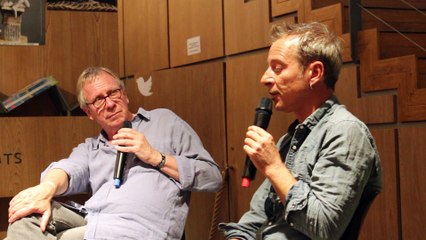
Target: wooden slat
{"type": "Point", "coordinates": [382, 220]}
{"type": "Point", "coordinates": [283, 7]}
{"type": "Point", "coordinates": [412, 153]}
{"type": "Point", "coordinates": [370, 109]}
{"type": "Point", "coordinates": [330, 15]}
{"type": "Point", "coordinates": [347, 51]}
{"type": "Point", "coordinates": [31, 143]}
{"type": "Point", "coordinates": [246, 25]}
{"type": "Point", "coordinates": [390, 4]}
{"type": "Point", "coordinates": [91, 39]}
{"type": "Point", "coordinates": [420, 4]}
{"type": "Point", "coordinates": [392, 73]}
{"type": "Point", "coordinates": [402, 20]}
{"type": "Point", "coordinates": [145, 36]}
{"type": "Point", "coordinates": [422, 72]}
{"type": "Point", "coordinates": [190, 19]}
{"type": "Point", "coordinates": [395, 45]}
{"type": "Point", "coordinates": [13, 59]}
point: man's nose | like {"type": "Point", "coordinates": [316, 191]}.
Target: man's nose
{"type": "Point", "coordinates": [109, 102]}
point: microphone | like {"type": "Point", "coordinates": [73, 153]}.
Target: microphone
{"type": "Point", "coordinates": [120, 161]}
{"type": "Point", "coordinates": [261, 119]}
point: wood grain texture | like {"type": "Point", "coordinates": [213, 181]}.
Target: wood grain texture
{"type": "Point", "coordinates": [399, 73]}
{"type": "Point", "coordinates": [412, 153]}
{"type": "Point", "coordinates": [382, 220]}
{"type": "Point", "coordinates": [29, 144]}
{"type": "Point", "coordinates": [76, 40]}
{"type": "Point", "coordinates": [246, 25]}
{"type": "Point", "coordinates": [369, 108]}
{"type": "Point", "coordinates": [193, 18]}
{"type": "Point", "coordinates": [145, 36]}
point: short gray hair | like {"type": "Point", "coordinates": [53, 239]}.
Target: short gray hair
{"type": "Point", "coordinates": [89, 75]}
{"type": "Point", "coordinates": [315, 43]}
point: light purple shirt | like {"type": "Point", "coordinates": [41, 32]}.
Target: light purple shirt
{"type": "Point", "coordinates": [149, 204]}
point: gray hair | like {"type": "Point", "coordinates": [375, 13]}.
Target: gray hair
{"type": "Point", "coordinates": [89, 75]}
{"type": "Point", "coordinates": [315, 43]}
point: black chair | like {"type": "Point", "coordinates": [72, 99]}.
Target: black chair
{"type": "Point", "coordinates": [354, 227]}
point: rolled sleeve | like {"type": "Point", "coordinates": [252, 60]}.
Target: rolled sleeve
{"type": "Point", "coordinates": [197, 169]}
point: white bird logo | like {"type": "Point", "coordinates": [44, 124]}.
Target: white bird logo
{"type": "Point", "coordinates": [144, 87]}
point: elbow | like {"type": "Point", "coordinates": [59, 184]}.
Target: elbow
{"type": "Point", "coordinates": [216, 181]}
{"type": "Point", "coordinates": [327, 229]}
{"type": "Point", "coordinates": [212, 180]}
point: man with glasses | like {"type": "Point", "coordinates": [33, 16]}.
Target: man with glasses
{"type": "Point", "coordinates": [317, 173]}
{"type": "Point", "coordinates": [165, 162]}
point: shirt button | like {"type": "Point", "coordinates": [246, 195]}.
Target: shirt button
{"type": "Point", "coordinates": [269, 223]}
{"type": "Point", "coordinates": [292, 224]}
{"type": "Point", "coordinates": [294, 147]}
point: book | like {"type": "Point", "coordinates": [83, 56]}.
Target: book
{"type": "Point", "coordinates": [27, 93]}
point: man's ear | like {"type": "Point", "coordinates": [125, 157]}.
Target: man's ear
{"type": "Point", "coordinates": [88, 113]}
{"type": "Point", "coordinates": [317, 72]}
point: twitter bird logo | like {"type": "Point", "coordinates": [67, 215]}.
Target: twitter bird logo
{"type": "Point", "coordinates": [144, 86]}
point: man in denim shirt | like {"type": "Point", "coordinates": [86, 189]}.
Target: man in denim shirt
{"type": "Point", "coordinates": [318, 171]}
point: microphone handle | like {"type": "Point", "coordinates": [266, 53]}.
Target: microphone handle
{"type": "Point", "coordinates": [261, 120]}
{"type": "Point", "coordinates": [120, 162]}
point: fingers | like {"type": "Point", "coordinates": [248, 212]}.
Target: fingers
{"type": "Point", "coordinates": [15, 215]}
{"type": "Point", "coordinates": [45, 219]}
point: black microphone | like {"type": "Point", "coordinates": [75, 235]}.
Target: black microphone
{"type": "Point", "coordinates": [261, 119]}
{"type": "Point", "coordinates": [120, 161]}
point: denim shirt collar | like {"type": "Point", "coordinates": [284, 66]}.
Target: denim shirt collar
{"type": "Point", "coordinates": [316, 116]}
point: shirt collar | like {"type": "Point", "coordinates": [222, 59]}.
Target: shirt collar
{"type": "Point", "coordinates": [316, 116]}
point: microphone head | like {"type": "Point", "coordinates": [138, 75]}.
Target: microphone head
{"type": "Point", "coordinates": [265, 104]}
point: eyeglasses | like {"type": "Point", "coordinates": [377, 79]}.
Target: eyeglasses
{"type": "Point", "coordinates": [100, 101]}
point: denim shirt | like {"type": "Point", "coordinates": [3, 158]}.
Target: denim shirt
{"type": "Point", "coordinates": [334, 158]}
{"type": "Point", "coordinates": [149, 204]}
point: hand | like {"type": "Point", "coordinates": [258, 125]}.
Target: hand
{"type": "Point", "coordinates": [261, 148]}
{"type": "Point", "coordinates": [129, 140]}
{"type": "Point", "coordinates": [36, 199]}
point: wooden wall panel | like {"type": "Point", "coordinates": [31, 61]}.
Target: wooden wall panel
{"type": "Point", "coordinates": [246, 25]}
{"type": "Point", "coordinates": [370, 109]}
{"type": "Point", "coordinates": [76, 40]}
{"type": "Point", "coordinates": [283, 7]}
{"type": "Point", "coordinates": [412, 165]}
{"type": "Point", "coordinates": [145, 36]}
{"type": "Point", "coordinates": [20, 65]}
{"type": "Point", "coordinates": [29, 144]}
{"type": "Point", "coordinates": [196, 94]}
{"type": "Point", "coordinates": [243, 91]}
{"type": "Point", "coordinates": [382, 220]}
{"type": "Point", "coordinates": [189, 19]}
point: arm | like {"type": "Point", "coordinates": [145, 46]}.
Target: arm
{"type": "Point", "coordinates": [252, 220]}
{"type": "Point", "coordinates": [37, 199]}
{"type": "Point", "coordinates": [129, 140]}
{"type": "Point", "coordinates": [322, 205]}
{"type": "Point", "coordinates": [319, 204]}
{"type": "Point", "coordinates": [187, 162]}
{"type": "Point", "coordinates": [261, 148]}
